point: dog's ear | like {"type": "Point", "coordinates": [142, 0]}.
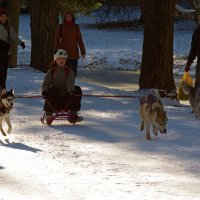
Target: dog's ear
{"type": "Point", "coordinates": [12, 91]}
{"type": "Point", "coordinates": [3, 92]}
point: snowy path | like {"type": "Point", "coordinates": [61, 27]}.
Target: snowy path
{"type": "Point", "coordinates": [103, 158]}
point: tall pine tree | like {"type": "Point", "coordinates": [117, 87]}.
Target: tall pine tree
{"type": "Point", "coordinates": [157, 58]}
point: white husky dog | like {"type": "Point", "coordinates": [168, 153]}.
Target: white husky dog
{"type": "Point", "coordinates": [6, 104]}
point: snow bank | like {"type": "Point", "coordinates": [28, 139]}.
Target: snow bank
{"type": "Point", "coordinates": [116, 49]}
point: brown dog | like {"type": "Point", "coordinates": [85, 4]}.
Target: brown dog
{"type": "Point", "coordinates": [152, 113]}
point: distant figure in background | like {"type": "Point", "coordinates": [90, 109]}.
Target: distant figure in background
{"type": "Point", "coordinates": [7, 37]}
{"type": "Point", "coordinates": [68, 37]}
{"type": "Point", "coordinates": [195, 52]}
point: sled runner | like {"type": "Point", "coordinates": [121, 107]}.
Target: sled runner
{"type": "Point", "coordinates": [65, 114]}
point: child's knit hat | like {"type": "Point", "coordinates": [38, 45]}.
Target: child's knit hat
{"type": "Point", "coordinates": [60, 53]}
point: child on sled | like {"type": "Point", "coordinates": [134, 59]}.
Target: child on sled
{"type": "Point", "coordinates": [59, 90]}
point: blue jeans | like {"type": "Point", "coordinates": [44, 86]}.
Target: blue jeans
{"type": "Point", "coordinates": [74, 64]}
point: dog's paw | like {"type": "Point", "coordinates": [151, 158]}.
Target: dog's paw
{"type": "Point", "coordinates": [155, 133]}
{"type": "Point", "coordinates": [148, 137]}
{"type": "Point", "coordinates": [11, 139]}
{"type": "Point", "coordinates": [3, 140]}
{"type": "Point", "coordinates": [9, 131]}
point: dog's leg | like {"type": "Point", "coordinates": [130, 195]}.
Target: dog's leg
{"type": "Point", "coordinates": [142, 125]}
{"type": "Point", "coordinates": [3, 137]}
{"type": "Point", "coordinates": [1, 127]}
{"type": "Point", "coordinates": [198, 110]}
{"type": "Point", "coordinates": [148, 136]}
{"type": "Point", "coordinates": [155, 130]}
{"type": "Point", "coordinates": [7, 119]}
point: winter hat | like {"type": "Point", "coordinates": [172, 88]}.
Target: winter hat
{"type": "Point", "coordinates": [60, 53]}
{"type": "Point", "coordinates": [69, 12]}
{"type": "Point", "coordinates": [3, 11]}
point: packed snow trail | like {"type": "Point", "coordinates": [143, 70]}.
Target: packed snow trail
{"type": "Point", "coordinates": [103, 158]}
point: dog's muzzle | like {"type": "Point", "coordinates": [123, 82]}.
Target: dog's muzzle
{"type": "Point", "coordinates": [164, 131]}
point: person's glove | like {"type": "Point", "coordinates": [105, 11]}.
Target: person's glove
{"type": "Point", "coordinates": [83, 56]}
{"type": "Point", "coordinates": [187, 68]}
{"type": "Point", "coordinates": [44, 94]}
{"type": "Point", "coordinates": [71, 94]}
{"type": "Point", "coordinates": [23, 45]}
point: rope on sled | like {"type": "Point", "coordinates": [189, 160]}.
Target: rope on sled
{"type": "Point", "coordinates": [84, 95]}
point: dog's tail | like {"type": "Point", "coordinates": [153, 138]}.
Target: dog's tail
{"type": "Point", "coordinates": [186, 88]}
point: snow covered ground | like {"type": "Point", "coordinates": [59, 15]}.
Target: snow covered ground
{"type": "Point", "coordinates": [116, 49]}
{"type": "Point", "coordinates": [103, 158]}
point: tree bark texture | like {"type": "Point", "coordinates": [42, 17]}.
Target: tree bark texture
{"type": "Point", "coordinates": [44, 20]}
{"type": "Point", "coordinates": [157, 58]}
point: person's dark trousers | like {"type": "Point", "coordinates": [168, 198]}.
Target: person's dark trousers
{"type": "Point", "coordinates": [197, 82]}
{"type": "Point", "coordinates": [74, 64]}
{"type": "Point", "coordinates": [56, 102]}
{"type": "Point", "coordinates": [3, 70]}
{"type": "Point", "coordinates": [74, 103]}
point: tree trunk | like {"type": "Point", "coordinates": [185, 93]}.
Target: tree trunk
{"type": "Point", "coordinates": [14, 12]}
{"type": "Point", "coordinates": [141, 20]}
{"type": "Point", "coordinates": [157, 58]}
{"type": "Point", "coordinates": [44, 20]}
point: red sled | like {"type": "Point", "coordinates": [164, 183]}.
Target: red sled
{"type": "Point", "coordinates": [62, 115]}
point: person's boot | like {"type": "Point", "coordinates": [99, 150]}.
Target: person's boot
{"type": "Point", "coordinates": [74, 117]}
{"type": "Point", "coordinates": [49, 118]}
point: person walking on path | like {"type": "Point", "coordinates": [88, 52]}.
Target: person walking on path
{"type": "Point", "coordinates": [195, 52]}
{"type": "Point", "coordinates": [68, 37]}
{"type": "Point", "coordinates": [7, 37]}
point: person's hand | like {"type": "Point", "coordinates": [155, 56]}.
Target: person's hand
{"type": "Point", "coordinates": [44, 94]}
{"type": "Point", "coordinates": [71, 94]}
{"type": "Point", "coordinates": [23, 45]}
{"type": "Point", "coordinates": [187, 68]}
{"type": "Point", "coordinates": [83, 56]}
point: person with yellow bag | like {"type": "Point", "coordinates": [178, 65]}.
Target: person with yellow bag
{"type": "Point", "coordinates": [186, 79]}
{"type": "Point", "coordinates": [195, 52]}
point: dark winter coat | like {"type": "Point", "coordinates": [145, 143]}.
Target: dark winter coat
{"type": "Point", "coordinates": [61, 78]}
{"type": "Point", "coordinates": [195, 47]}
{"type": "Point", "coordinates": [6, 38]}
{"type": "Point", "coordinates": [69, 38]}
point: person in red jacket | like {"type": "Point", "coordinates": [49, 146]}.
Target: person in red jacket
{"type": "Point", "coordinates": [68, 37]}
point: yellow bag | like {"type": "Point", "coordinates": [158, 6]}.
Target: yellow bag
{"type": "Point", "coordinates": [188, 79]}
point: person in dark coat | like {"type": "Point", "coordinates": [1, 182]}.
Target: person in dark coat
{"type": "Point", "coordinates": [7, 37]}
{"type": "Point", "coordinates": [68, 37]}
{"type": "Point", "coordinates": [59, 90]}
{"type": "Point", "coordinates": [195, 52]}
